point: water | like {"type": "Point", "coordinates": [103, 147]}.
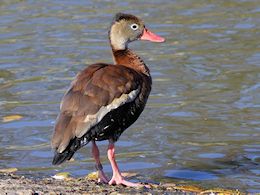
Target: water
{"type": "Point", "coordinates": [201, 124]}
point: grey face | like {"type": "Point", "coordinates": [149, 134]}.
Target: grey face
{"type": "Point", "coordinates": [125, 31]}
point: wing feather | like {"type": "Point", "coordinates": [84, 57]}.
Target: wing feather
{"type": "Point", "coordinates": [94, 92]}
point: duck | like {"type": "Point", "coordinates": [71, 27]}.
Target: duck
{"type": "Point", "coordinates": [105, 99]}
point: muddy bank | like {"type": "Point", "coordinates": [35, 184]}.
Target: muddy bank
{"type": "Point", "coordinates": [13, 184]}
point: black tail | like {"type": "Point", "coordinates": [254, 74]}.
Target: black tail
{"type": "Point", "coordinates": [67, 154]}
{"type": "Point", "coordinates": [61, 157]}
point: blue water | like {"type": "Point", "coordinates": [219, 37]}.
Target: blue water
{"type": "Point", "coordinates": [201, 123]}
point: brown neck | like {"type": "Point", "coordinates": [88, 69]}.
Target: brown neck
{"type": "Point", "coordinates": [130, 59]}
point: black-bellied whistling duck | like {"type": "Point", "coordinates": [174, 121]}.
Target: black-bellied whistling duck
{"type": "Point", "coordinates": [105, 99]}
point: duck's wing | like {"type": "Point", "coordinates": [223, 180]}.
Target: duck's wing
{"type": "Point", "coordinates": [95, 91]}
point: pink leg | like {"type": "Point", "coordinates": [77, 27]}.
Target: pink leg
{"type": "Point", "coordinates": [101, 175]}
{"type": "Point", "coordinates": [117, 178]}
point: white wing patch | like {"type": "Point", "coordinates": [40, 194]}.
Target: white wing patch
{"type": "Point", "coordinates": [93, 119]}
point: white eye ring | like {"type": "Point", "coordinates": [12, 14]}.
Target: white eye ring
{"type": "Point", "coordinates": [134, 26]}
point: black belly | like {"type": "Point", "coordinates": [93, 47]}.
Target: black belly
{"type": "Point", "coordinates": [115, 122]}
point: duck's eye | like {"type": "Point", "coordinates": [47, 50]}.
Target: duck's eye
{"type": "Point", "coordinates": [134, 26]}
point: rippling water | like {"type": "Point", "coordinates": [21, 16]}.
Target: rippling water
{"type": "Point", "coordinates": [201, 124]}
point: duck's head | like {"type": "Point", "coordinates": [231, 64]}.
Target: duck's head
{"type": "Point", "coordinates": [126, 28]}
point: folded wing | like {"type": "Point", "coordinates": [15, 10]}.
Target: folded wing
{"type": "Point", "coordinates": [95, 91]}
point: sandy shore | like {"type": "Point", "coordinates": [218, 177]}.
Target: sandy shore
{"type": "Point", "coordinates": [12, 184]}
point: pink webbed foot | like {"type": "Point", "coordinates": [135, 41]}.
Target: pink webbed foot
{"type": "Point", "coordinates": [120, 180]}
